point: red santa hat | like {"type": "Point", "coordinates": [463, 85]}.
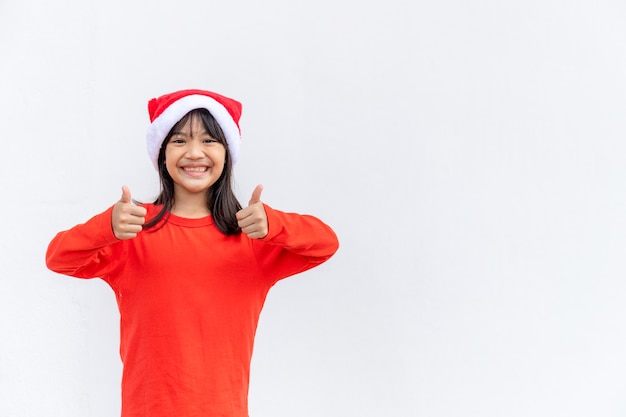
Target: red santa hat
{"type": "Point", "coordinates": [167, 110]}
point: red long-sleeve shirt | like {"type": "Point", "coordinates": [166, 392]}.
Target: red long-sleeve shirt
{"type": "Point", "coordinates": [189, 299]}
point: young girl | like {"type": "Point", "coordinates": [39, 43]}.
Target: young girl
{"type": "Point", "coordinates": [191, 271]}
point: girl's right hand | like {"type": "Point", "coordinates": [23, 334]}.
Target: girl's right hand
{"type": "Point", "coordinates": [127, 218]}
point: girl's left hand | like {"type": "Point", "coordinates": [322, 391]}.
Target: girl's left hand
{"type": "Point", "coordinates": [253, 220]}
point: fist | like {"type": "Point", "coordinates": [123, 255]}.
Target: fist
{"type": "Point", "coordinates": [127, 218]}
{"type": "Point", "coordinates": [253, 220]}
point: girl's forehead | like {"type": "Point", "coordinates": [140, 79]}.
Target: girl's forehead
{"type": "Point", "coordinates": [193, 125]}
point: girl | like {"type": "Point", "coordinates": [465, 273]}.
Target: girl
{"type": "Point", "coordinates": [191, 271]}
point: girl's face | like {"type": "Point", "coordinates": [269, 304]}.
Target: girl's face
{"type": "Point", "coordinates": [193, 158]}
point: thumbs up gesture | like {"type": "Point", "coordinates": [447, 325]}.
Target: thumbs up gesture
{"type": "Point", "coordinates": [253, 220]}
{"type": "Point", "coordinates": [127, 218]}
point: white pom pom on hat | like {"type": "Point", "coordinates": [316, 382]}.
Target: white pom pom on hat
{"type": "Point", "coordinates": [167, 110]}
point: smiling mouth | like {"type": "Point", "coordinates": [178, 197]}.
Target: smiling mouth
{"type": "Point", "coordinates": [195, 170]}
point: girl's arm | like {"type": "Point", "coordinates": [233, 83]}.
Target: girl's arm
{"type": "Point", "coordinates": [293, 244]}
{"type": "Point", "coordinates": [86, 250]}
{"type": "Point", "coordinates": [90, 250]}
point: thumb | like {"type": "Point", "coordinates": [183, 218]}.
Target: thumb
{"type": "Point", "coordinates": [126, 195]}
{"type": "Point", "coordinates": [256, 195]}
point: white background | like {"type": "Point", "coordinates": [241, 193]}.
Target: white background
{"type": "Point", "coordinates": [469, 154]}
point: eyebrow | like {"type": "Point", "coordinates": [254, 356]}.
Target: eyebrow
{"type": "Point", "coordinates": [186, 134]}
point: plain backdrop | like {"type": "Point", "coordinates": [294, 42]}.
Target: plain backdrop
{"type": "Point", "coordinates": [469, 155]}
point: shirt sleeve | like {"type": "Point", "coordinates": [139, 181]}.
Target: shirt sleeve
{"type": "Point", "coordinates": [294, 244]}
{"type": "Point", "coordinates": [87, 250]}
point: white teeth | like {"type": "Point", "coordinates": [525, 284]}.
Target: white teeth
{"type": "Point", "coordinates": [195, 169]}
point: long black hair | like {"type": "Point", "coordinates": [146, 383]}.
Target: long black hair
{"type": "Point", "coordinates": [220, 198]}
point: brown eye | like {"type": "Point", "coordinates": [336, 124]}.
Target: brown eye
{"type": "Point", "coordinates": [177, 138]}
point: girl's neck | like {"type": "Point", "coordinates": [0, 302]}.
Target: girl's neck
{"type": "Point", "coordinates": [192, 206]}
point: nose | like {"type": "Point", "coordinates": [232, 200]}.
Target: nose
{"type": "Point", "coordinates": [194, 150]}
